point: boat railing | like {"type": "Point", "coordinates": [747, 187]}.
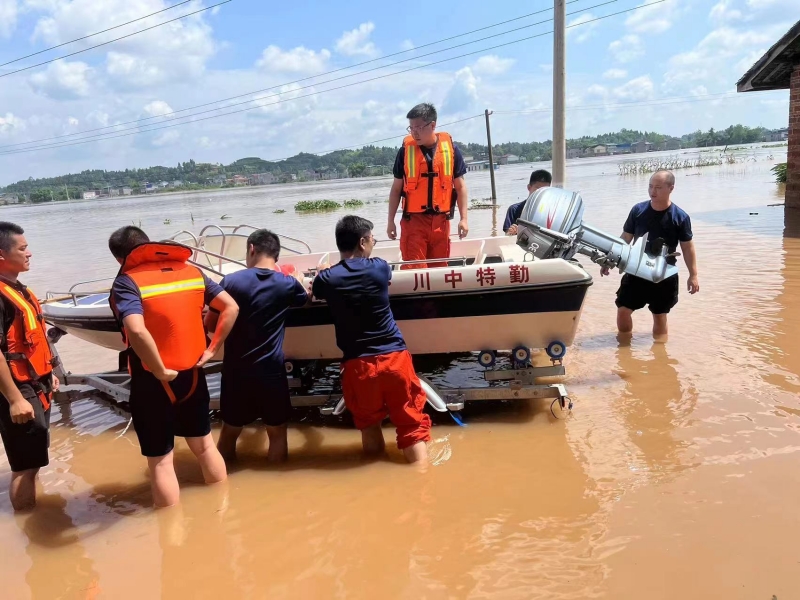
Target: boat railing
{"type": "Point", "coordinates": [75, 295]}
{"type": "Point", "coordinates": [280, 235]}
{"type": "Point", "coordinates": [227, 233]}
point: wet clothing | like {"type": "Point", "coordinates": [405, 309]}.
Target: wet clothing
{"type": "Point", "coordinates": [127, 298]}
{"type": "Point", "coordinates": [514, 212]}
{"type": "Point", "coordinates": [264, 297]}
{"type": "Point", "coordinates": [161, 411]}
{"type": "Point", "coordinates": [423, 237]}
{"type": "Point", "coordinates": [673, 225]}
{"type": "Point", "coordinates": [375, 387]}
{"type": "Point", "coordinates": [357, 292]}
{"type": "Point", "coordinates": [26, 445]}
{"type": "Point", "coordinates": [249, 395]}
{"type": "Point", "coordinates": [635, 293]}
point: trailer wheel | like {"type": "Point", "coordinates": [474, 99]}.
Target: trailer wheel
{"type": "Point", "coordinates": [522, 355]}
{"type": "Point", "coordinates": [556, 350]}
{"type": "Point", "coordinates": [289, 367]}
{"type": "Point", "coordinates": [487, 358]}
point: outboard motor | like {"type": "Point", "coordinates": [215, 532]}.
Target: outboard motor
{"type": "Point", "coordinates": [551, 226]}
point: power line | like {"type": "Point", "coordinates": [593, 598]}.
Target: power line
{"type": "Point", "coordinates": [109, 137]}
{"type": "Point", "coordinates": [97, 33]}
{"type": "Point", "coordinates": [114, 40]}
{"type": "Point", "coordinates": [117, 125]}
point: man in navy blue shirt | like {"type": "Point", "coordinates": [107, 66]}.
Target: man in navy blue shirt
{"type": "Point", "coordinates": [539, 179]}
{"type": "Point", "coordinates": [254, 382]}
{"type": "Point", "coordinates": [664, 223]}
{"type": "Point", "coordinates": [378, 377]}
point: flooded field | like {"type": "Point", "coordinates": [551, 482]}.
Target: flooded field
{"type": "Point", "coordinates": [676, 475]}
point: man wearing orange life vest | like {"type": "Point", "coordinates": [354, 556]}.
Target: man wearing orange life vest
{"type": "Point", "coordinates": [429, 178]}
{"type": "Point", "coordinates": [27, 381]}
{"type": "Point", "coordinates": [158, 299]}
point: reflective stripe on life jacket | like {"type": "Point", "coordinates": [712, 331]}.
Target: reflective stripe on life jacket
{"type": "Point", "coordinates": [173, 297]}
{"type": "Point", "coordinates": [27, 349]}
{"type": "Point", "coordinates": [424, 190]}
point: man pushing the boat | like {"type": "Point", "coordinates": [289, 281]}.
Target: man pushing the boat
{"type": "Point", "coordinates": [429, 179]}
{"type": "Point", "coordinates": [378, 377]}
{"type": "Point", "coordinates": [158, 300]}
{"type": "Point", "coordinates": [659, 218]}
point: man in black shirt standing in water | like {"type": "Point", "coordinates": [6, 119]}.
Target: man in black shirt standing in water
{"type": "Point", "coordinates": [659, 218]}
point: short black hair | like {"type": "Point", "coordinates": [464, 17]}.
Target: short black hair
{"type": "Point", "coordinates": [541, 176]}
{"type": "Point", "coordinates": [265, 242]}
{"type": "Point", "coordinates": [7, 233]}
{"type": "Point", "coordinates": [424, 111]}
{"type": "Point", "coordinates": [350, 230]}
{"type": "Point", "coordinates": [125, 239]}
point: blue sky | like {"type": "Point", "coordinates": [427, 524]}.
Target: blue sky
{"type": "Point", "coordinates": [619, 70]}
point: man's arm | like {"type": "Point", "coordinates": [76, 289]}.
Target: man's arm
{"type": "Point", "coordinates": [462, 200]}
{"type": "Point", "coordinates": [145, 347]}
{"type": "Point", "coordinates": [690, 256]}
{"type": "Point", "coordinates": [228, 311]}
{"type": "Point", "coordinates": [627, 238]}
{"type": "Point", "coordinates": [210, 321]}
{"type": "Point", "coordinates": [394, 204]}
{"type": "Point", "coordinates": [20, 409]}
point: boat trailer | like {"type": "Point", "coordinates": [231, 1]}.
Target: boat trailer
{"type": "Point", "coordinates": [517, 383]}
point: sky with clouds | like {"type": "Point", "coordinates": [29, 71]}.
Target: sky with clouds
{"type": "Point", "coordinates": [665, 68]}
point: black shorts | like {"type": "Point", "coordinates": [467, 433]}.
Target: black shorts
{"type": "Point", "coordinates": [158, 420]}
{"type": "Point", "coordinates": [27, 444]}
{"type": "Point", "coordinates": [247, 396]}
{"type": "Point", "coordinates": [634, 293]}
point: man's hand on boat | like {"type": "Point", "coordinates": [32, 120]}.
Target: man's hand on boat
{"type": "Point", "coordinates": [605, 271]}
{"type": "Point", "coordinates": [21, 411]}
{"type": "Point", "coordinates": [56, 383]}
{"type": "Point", "coordinates": [463, 228]}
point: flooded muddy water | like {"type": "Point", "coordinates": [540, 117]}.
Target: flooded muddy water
{"type": "Point", "coordinates": [676, 475]}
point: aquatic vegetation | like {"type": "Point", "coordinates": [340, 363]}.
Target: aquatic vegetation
{"type": "Point", "coordinates": [280, 211]}
{"type": "Point", "coordinates": [353, 203]}
{"type": "Point", "coordinates": [316, 205]}
{"type": "Point", "coordinates": [780, 172]}
{"type": "Point", "coordinates": [167, 221]}
{"type": "Point", "coordinates": [223, 217]}
{"type": "Point", "coordinates": [481, 204]}
{"type": "Point", "coordinates": [651, 165]}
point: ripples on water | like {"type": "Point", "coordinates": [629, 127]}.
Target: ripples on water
{"type": "Point", "coordinates": [674, 477]}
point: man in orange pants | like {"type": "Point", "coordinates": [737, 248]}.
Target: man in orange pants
{"type": "Point", "coordinates": [429, 177]}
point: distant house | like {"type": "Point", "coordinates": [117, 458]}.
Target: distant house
{"type": "Point", "coordinates": [638, 147]}
{"type": "Point", "coordinates": [177, 183]}
{"type": "Point", "coordinates": [217, 179]}
{"type": "Point", "coordinates": [598, 150]}
{"type": "Point", "coordinates": [239, 180]}
{"type": "Point", "coordinates": [508, 159]}
{"type": "Point", "coordinates": [126, 191]}
{"type": "Point", "coordinates": [164, 184]}
{"type": "Point", "coordinates": [477, 165]}
{"type": "Point", "coordinates": [262, 179]}
{"type": "Point", "coordinates": [574, 152]}
{"type": "Point", "coordinates": [9, 198]}
{"type": "Point", "coordinates": [670, 145]}
{"type": "Point", "coordinates": [467, 158]}
{"type": "Point", "coordinates": [91, 195]}
{"type": "Point", "coordinates": [777, 135]}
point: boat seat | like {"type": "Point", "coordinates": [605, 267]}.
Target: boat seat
{"type": "Point", "coordinates": [512, 253]}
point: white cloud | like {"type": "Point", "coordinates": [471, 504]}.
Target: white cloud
{"type": "Point", "coordinates": [8, 17]}
{"type": "Point", "coordinates": [297, 60]}
{"type": "Point", "coordinates": [580, 29]}
{"type": "Point", "coordinates": [615, 74]}
{"type": "Point", "coordinates": [10, 123]}
{"type": "Point", "coordinates": [63, 79]}
{"type": "Point", "coordinates": [641, 88]}
{"type": "Point", "coordinates": [656, 19]}
{"type": "Point", "coordinates": [463, 95]}
{"type": "Point", "coordinates": [407, 45]}
{"type": "Point", "coordinates": [492, 65]}
{"type": "Point", "coordinates": [357, 42]}
{"type": "Point", "coordinates": [627, 49]}
{"type": "Point", "coordinates": [73, 122]}
{"type": "Point", "coordinates": [158, 108]}
{"type": "Point", "coordinates": [723, 11]}
{"type": "Point", "coordinates": [167, 138]}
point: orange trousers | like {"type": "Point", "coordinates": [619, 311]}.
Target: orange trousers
{"type": "Point", "coordinates": [386, 384]}
{"type": "Point", "coordinates": [425, 236]}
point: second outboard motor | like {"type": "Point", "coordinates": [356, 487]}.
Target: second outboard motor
{"type": "Point", "coordinates": [551, 226]}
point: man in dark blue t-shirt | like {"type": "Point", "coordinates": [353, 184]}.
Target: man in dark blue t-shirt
{"type": "Point", "coordinates": [539, 179]}
{"type": "Point", "coordinates": [254, 382]}
{"type": "Point", "coordinates": [378, 377]}
{"type": "Point", "coordinates": [664, 223]}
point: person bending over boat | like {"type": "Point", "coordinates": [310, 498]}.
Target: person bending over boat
{"type": "Point", "coordinates": [27, 381]}
{"type": "Point", "coordinates": [378, 377]}
{"type": "Point", "coordinates": [659, 218]}
{"type": "Point", "coordinates": [539, 179]}
{"type": "Point", "coordinates": [158, 300]}
{"type": "Point", "coordinates": [429, 178]}
{"type": "Point", "coordinates": [254, 381]}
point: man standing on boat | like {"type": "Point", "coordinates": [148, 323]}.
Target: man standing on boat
{"type": "Point", "coordinates": [659, 218]}
{"type": "Point", "coordinates": [378, 377]}
{"type": "Point", "coordinates": [158, 299]}
{"type": "Point", "coordinates": [27, 381]}
{"type": "Point", "coordinates": [539, 179]}
{"type": "Point", "coordinates": [254, 382]}
{"type": "Point", "coordinates": [429, 179]}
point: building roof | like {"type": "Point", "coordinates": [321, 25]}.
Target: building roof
{"type": "Point", "coordinates": [773, 71]}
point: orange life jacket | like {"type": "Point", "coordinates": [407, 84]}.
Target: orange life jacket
{"type": "Point", "coordinates": [28, 351]}
{"type": "Point", "coordinates": [173, 297]}
{"type": "Point", "coordinates": [424, 190]}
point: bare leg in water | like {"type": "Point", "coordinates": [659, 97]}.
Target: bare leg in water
{"type": "Point", "coordinates": [210, 459]}
{"type": "Point", "coordinates": [418, 453]}
{"type": "Point", "coordinates": [163, 481]}
{"type": "Point", "coordinates": [372, 440]}
{"type": "Point", "coordinates": [660, 329]}
{"type": "Point", "coordinates": [227, 441]}
{"type": "Point", "coordinates": [22, 490]}
{"type": "Point", "coordinates": [278, 443]}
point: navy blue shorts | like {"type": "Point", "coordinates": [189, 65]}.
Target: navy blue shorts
{"type": "Point", "coordinates": [27, 444]}
{"type": "Point", "coordinates": [158, 420]}
{"type": "Point", "coordinates": [635, 293]}
{"type": "Point", "coordinates": [249, 395]}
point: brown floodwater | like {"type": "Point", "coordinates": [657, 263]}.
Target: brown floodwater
{"type": "Point", "coordinates": [677, 474]}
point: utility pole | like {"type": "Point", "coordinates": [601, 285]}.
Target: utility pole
{"type": "Point", "coordinates": [491, 155]}
{"type": "Point", "coordinates": [559, 94]}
